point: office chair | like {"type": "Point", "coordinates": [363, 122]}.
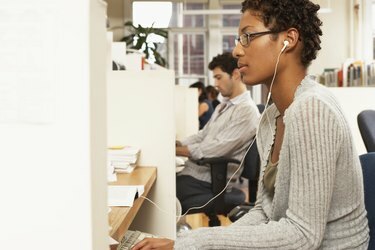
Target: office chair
{"type": "Point", "coordinates": [368, 169]}
{"type": "Point", "coordinates": [261, 108]}
{"type": "Point", "coordinates": [366, 125]}
{"type": "Point", "coordinates": [225, 202]}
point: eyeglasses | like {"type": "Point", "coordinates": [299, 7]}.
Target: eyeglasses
{"type": "Point", "coordinates": [246, 38]}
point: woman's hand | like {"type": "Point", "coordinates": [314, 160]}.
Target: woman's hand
{"type": "Point", "coordinates": [154, 243]}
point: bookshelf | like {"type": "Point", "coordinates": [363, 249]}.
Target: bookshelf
{"type": "Point", "coordinates": [353, 73]}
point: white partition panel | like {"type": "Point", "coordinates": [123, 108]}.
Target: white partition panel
{"type": "Point", "coordinates": [98, 125]}
{"type": "Point", "coordinates": [186, 111]}
{"type": "Point", "coordinates": [141, 112]}
{"type": "Point", "coordinates": [49, 160]}
{"type": "Point", "coordinates": [353, 101]}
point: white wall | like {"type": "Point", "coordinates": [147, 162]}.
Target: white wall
{"type": "Point", "coordinates": [353, 101]}
{"type": "Point", "coordinates": [336, 37]}
{"type": "Point", "coordinates": [186, 111]}
{"type": "Point", "coordinates": [98, 125]}
{"type": "Point", "coordinates": [141, 113]}
{"type": "Point", "coordinates": [48, 158]}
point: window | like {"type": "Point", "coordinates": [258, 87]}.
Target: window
{"type": "Point", "coordinates": [189, 36]}
{"type": "Point", "coordinates": [178, 20]}
{"type": "Point", "coordinates": [148, 13]}
{"type": "Point", "coordinates": [155, 14]}
{"type": "Point", "coordinates": [189, 57]}
{"type": "Point", "coordinates": [232, 20]}
{"type": "Point", "coordinates": [229, 43]}
{"type": "Point", "coordinates": [195, 20]}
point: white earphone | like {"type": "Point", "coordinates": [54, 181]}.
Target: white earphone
{"type": "Point", "coordinates": [286, 43]}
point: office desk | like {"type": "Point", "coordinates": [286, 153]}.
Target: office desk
{"type": "Point", "coordinates": [120, 218]}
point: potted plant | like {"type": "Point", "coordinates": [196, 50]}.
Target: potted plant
{"type": "Point", "coordinates": [137, 39]}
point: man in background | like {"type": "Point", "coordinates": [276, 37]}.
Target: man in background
{"type": "Point", "coordinates": [228, 133]}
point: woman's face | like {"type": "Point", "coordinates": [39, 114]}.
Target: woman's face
{"type": "Point", "coordinates": [257, 60]}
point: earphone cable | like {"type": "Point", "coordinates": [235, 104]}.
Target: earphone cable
{"type": "Point", "coordinates": [243, 158]}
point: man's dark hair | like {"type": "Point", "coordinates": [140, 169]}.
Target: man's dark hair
{"type": "Point", "coordinates": [280, 15]}
{"type": "Point", "coordinates": [200, 85]}
{"type": "Point", "coordinates": [226, 62]}
{"type": "Point", "coordinates": [211, 90]}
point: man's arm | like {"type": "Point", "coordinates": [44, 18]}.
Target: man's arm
{"type": "Point", "coordinates": [240, 129]}
{"type": "Point", "coordinates": [182, 151]}
{"type": "Point", "coordinates": [196, 138]}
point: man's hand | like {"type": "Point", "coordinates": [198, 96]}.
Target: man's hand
{"type": "Point", "coordinates": [154, 243]}
{"type": "Point", "coordinates": [182, 151]}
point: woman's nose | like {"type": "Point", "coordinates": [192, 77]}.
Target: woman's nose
{"type": "Point", "coordinates": [237, 51]}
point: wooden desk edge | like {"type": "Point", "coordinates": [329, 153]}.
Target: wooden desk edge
{"type": "Point", "coordinates": [120, 218]}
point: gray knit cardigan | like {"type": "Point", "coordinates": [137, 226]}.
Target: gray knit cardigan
{"type": "Point", "coordinates": [318, 201]}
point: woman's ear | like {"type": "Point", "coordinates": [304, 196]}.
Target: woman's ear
{"type": "Point", "coordinates": [291, 39]}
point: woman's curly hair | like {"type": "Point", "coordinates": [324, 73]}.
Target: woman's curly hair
{"type": "Point", "coordinates": [280, 15]}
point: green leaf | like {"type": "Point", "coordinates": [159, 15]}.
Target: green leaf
{"type": "Point", "coordinates": [140, 35]}
{"type": "Point", "coordinates": [161, 32]}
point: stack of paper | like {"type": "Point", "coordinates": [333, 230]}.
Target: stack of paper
{"type": "Point", "coordinates": [123, 159]}
{"type": "Point", "coordinates": [124, 195]}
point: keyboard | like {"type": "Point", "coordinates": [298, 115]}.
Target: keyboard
{"type": "Point", "coordinates": [131, 238]}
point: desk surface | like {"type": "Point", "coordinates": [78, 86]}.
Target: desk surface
{"type": "Point", "coordinates": [120, 218]}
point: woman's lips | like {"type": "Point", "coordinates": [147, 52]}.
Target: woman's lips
{"type": "Point", "coordinates": [242, 68]}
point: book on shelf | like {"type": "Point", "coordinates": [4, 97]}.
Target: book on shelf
{"type": "Point", "coordinates": [123, 159]}
{"type": "Point", "coordinates": [370, 74]}
{"type": "Point", "coordinates": [330, 77]}
{"type": "Point", "coordinates": [123, 150]}
{"type": "Point", "coordinates": [124, 168]}
{"type": "Point", "coordinates": [354, 73]}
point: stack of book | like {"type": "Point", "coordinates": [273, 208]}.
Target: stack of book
{"type": "Point", "coordinates": [354, 73]}
{"type": "Point", "coordinates": [123, 159]}
{"type": "Point", "coordinates": [370, 68]}
{"type": "Point", "coordinates": [331, 77]}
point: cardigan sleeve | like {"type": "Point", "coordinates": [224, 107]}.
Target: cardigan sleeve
{"type": "Point", "coordinates": [313, 134]}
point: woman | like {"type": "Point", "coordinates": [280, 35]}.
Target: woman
{"type": "Point", "coordinates": [205, 109]}
{"type": "Point", "coordinates": [310, 187]}
{"type": "Point", "coordinates": [212, 94]}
